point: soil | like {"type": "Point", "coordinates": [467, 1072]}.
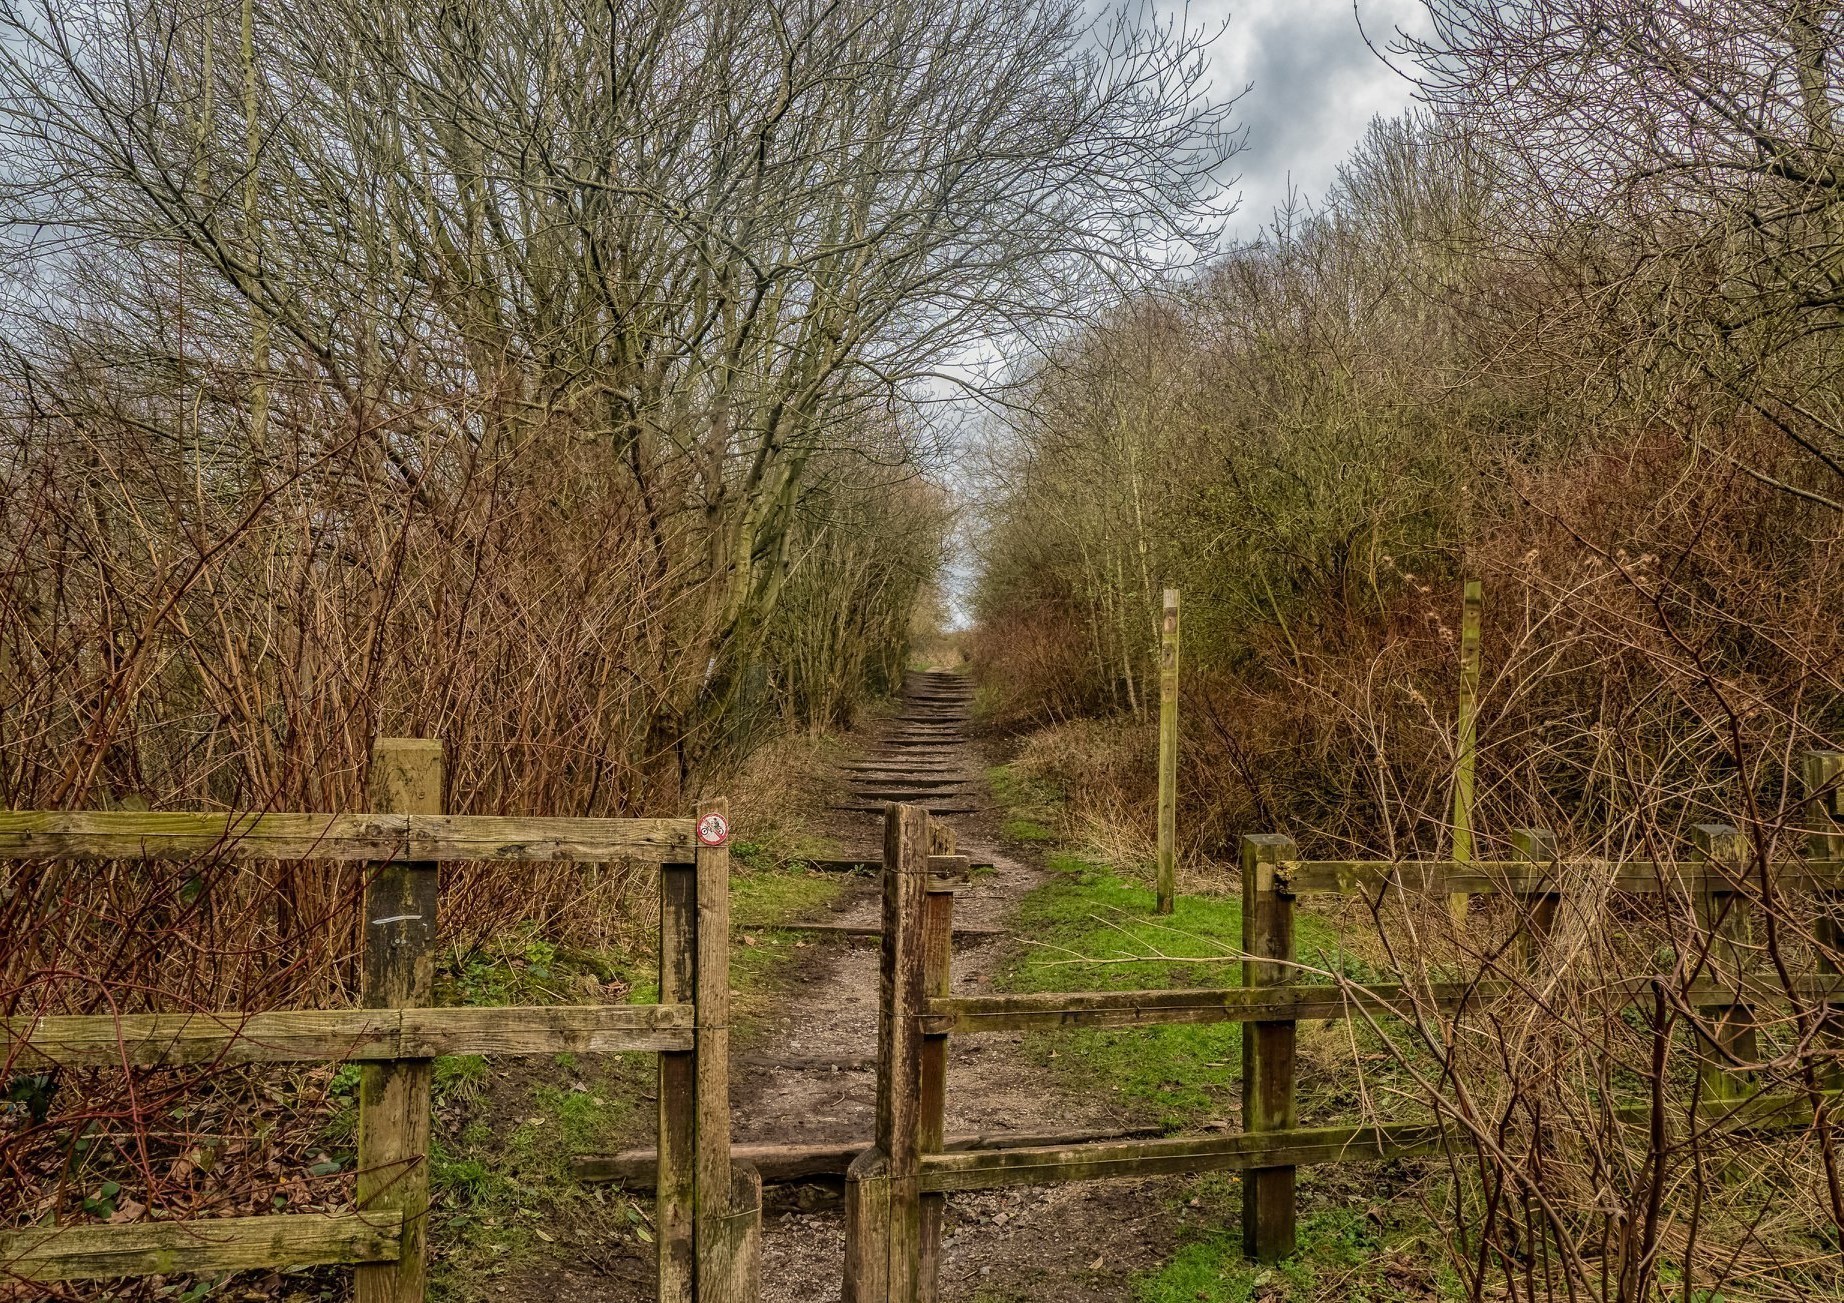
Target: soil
{"type": "Point", "coordinates": [807, 1074]}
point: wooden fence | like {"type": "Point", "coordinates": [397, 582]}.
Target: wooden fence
{"type": "Point", "coordinates": [894, 1189]}
{"type": "Point", "coordinates": [708, 1209]}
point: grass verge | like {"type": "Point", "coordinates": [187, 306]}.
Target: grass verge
{"type": "Point", "coordinates": [1360, 1253]}
{"type": "Point", "coordinates": [1092, 927]}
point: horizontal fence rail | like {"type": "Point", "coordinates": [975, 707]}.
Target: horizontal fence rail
{"type": "Point", "coordinates": [707, 1209]}
{"type": "Point", "coordinates": [1177, 1155]}
{"type": "Point", "coordinates": [335, 1035]}
{"type": "Point", "coordinates": [1521, 877]}
{"type": "Point", "coordinates": [894, 1187]}
{"type": "Point", "coordinates": [989, 1169]}
{"type": "Point", "coordinates": [135, 835]}
{"type": "Point", "coordinates": [962, 1015]}
{"type": "Point", "coordinates": [205, 1246]}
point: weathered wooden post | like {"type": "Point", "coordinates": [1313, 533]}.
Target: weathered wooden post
{"type": "Point", "coordinates": [742, 1237]}
{"type": "Point", "coordinates": [883, 1206]}
{"type": "Point", "coordinates": [1464, 776]}
{"type": "Point", "coordinates": [1538, 913]}
{"type": "Point", "coordinates": [1722, 913]}
{"type": "Point", "coordinates": [1267, 1047]}
{"type": "Point", "coordinates": [938, 959]}
{"type": "Point", "coordinates": [1168, 753]}
{"type": "Point", "coordinates": [678, 1089]}
{"type": "Point", "coordinates": [717, 1241]}
{"type": "Point", "coordinates": [867, 1227]}
{"type": "Point", "coordinates": [1824, 781]}
{"type": "Point", "coordinates": [399, 972]}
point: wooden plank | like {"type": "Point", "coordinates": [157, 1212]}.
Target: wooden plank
{"type": "Point", "coordinates": [343, 1035]}
{"type": "Point", "coordinates": [742, 1236]}
{"type": "Point", "coordinates": [1300, 1147]}
{"type": "Point", "coordinates": [535, 840]}
{"type": "Point", "coordinates": [1744, 1113]}
{"type": "Point", "coordinates": [637, 1168]}
{"type": "Point", "coordinates": [1537, 917]}
{"type": "Point", "coordinates": [963, 1015]}
{"type": "Point", "coordinates": [399, 973]}
{"type": "Point", "coordinates": [961, 864]}
{"type": "Point", "coordinates": [1267, 1048]}
{"type": "Point", "coordinates": [1723, 916]}
{"type": "Point", "coordinates": [923, 803]}
{"type": "Point", "coordinates": [903, 981]}
{"type": "Point", "coordinates": [1167, 860]}
{"type": "Point", "coordinates": [711, 981]}
{"type": "Point", "coordinates": [673, 1162]}
{"type": "Point", "coordinates": [937, 964]}
{"type": "Point", "coordinates": [1466, 755]}
{"type": "Point", "coordinates": [1488, 877]}
{"type": "Point", "coordinates": [858, 929]}
{"type": "Point", "coordinates": [136, 835]}
{"type": "Point", "coordinates": [205, 1247]}
{"type": "Point", "coordinates": [867, 1229]}
{"type": "Point", "coordinates": [990, 1170]}
{"type": "Point", "coordinates": [1241, 1004]}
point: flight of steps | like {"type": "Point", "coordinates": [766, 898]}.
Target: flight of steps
{"type": "Point", "coordinates": [921, 758]}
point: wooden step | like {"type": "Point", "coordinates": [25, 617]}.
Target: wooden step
{"type": "Point", "coordinates": [913, 778]}
{"type": "Point", "coordinates": [943, 805]}
{"type": "Point", "coordinates": [898, 769]}
{"type": "Point", "coordinates": [636, 1167]}
{"type": "Point", "coordinates": [856, 929]}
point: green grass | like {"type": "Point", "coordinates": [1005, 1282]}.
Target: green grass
{"type": "Point", "coordinates": [500, 1183]}
{"type": "Point", "coordinates": [500, 1167]}
{"type": "Point", "coordinates": [499, 1180]}
{"type": "Point", "coordinates": [524, 967]}
{"type": "Point", "coordinates": [1033, 806]}
{"type": "Point", "coordinates": [1338, 1243]}
{"type": "Point", "coordinates": [759, 899]}
{"type": "Point", "coordinates": [1091, 929]}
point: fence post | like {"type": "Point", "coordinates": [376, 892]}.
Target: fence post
{"type": "Point", "coordinates": [743, 1236]}
{"type": "Point", "coordinates": [714, 1239]}
{"type": "Point", "coordinates": [1472, 605]}
{"type": "Point", "coordinates": [1824, 781]}
{"type": "Point", "coordinates": [938, 961]}
{"type": "Point", "coordinates": [1722, 913]}
{"type": "Point", "coordinates": [904, 986]}
{"type": "Point", "coordinates": [1267, 1047]}
{"type": "Point", "coordinates": [1535, 846]}
{"type": "Point", "coordinates": [867, 1227]}
{"type": "Point", "coordinates": [676, 1173]}
{"type": "Point", "coordinates": [1168, 753]}
{"type": "Point", "coordinates": [399, 972]}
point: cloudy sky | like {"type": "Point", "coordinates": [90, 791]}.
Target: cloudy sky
{"type": "Point", "coordinates": [1314, 87]}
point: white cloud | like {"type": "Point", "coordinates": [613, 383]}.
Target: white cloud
{"type": "Point", "coordinates": [1314, 83]}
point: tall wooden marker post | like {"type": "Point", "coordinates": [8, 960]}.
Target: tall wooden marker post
{"type": "Point", "coordinates": [1168, 752]}
{"type": "Point", "coordinates": [1464, 768]}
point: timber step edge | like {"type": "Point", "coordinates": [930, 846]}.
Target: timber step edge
{"type": "Point", "coordinates": [635, 1167]}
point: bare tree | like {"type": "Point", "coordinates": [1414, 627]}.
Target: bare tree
{"type": "Point", "coordinates": [1680, 164]}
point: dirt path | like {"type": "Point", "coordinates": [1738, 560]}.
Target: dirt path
{"type": "Point", "coordinates": [809, 1076]}
{"type": "Point", "coordinates": [806, 1073]}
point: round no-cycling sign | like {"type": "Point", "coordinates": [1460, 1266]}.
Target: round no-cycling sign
{"type": "Point", "coordinates": [713, 830]}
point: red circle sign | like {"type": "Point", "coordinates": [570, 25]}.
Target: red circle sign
{"type": "Point", "coordinates": [713, 830]}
